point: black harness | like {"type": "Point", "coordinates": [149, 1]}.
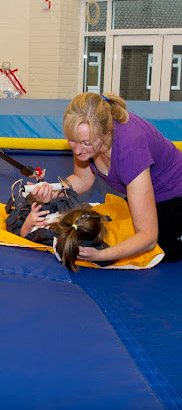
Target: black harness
{"type": "Point", "coordinates": [19, 207]}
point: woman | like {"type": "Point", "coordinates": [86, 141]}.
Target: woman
{"type": "Point", "coordinates": [132, 156]}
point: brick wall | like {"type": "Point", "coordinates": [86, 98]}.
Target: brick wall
{"type": "Point", "coordinates": [14, 36]}
{"type": "Point", "coordinates": [54, 49]}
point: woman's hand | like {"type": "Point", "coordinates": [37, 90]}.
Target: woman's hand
{"type": "Point", "coordinates": [42, 193]}
{"type": "Point", "coordinates": [35, 218]}
{"type": "Point", "coordinates": [90, 254]}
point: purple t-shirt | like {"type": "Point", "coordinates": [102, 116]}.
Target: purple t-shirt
{"type": "Point", "coordinates": [138, 145]}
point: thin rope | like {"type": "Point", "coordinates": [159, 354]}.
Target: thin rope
{"type": "Point", "coordinates": [92, 21]}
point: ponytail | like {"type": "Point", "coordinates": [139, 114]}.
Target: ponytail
{"type": "Point", "coordinates": [67, 248]}
{"type": "Point", "coordinates": [75, 226]}
{"type": "Point", "coordinates": [117, 107]}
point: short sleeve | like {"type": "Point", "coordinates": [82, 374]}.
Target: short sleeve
{"type": "Point", "coordinates": [132, 164]}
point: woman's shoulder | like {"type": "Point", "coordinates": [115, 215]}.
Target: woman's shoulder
{"type": "Point", "coordinates": [134, 129]}
{"type": "Point", "coordinates": [133, 121]}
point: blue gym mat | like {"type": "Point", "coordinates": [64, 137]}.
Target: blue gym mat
{"type": "Point", "coordinates": [99, 339]}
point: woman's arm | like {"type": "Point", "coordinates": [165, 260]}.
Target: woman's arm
{"type": "Point", "coordinates": [82, 180]}
{"type": "Point", "coordinates": [142, 206]}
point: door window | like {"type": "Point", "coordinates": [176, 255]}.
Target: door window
{"type": "Point", "coordinates": [176, 80]}
{"type": "Point", "coordinates": [94, 73]}
{"type": "Point", "coordinates": [136, 75]}
{"type": "Point", "coordinates": [137, 67]}
{"type": "Point", "coordinates": [94, 57]}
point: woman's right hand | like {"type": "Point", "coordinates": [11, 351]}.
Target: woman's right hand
{"type": "Point", "coordinates": [43, 192]}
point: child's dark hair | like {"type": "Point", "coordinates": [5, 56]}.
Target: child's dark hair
{"type": "Point", "coordinates": [75, 226]}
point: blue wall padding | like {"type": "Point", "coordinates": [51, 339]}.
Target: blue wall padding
{"type": "Point", "coordinates": [31, 126]}
{"type": "Point", "coordinates": [32, 118]}
{"type": "Point", "coordinates": [171, 128]}
{"type": "Point", "coordinates": [33, 107]}
{"type": "Point", "coordinates": [43, 118]}
{"type": "Point", "coordinates": [156, 109]}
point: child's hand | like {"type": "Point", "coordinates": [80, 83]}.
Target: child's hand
{"type": "Point", "coordinates": [35, 218]}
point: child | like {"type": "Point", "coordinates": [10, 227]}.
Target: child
{"type": "Point", "coordinates": [74, 227]}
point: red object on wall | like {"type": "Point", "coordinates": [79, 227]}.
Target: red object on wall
{"type": "Point", "coordinates": [13, 79]}
{"type": "Point", "coordinates": [47, 4]}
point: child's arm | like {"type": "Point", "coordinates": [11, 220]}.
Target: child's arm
{"type": "Point", "coordinates": [35, 218]}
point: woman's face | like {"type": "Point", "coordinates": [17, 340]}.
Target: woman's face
{"type": "Point", "coordinates": [83, 149]}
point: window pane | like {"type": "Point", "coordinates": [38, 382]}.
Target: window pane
{"type": "Point", "coordinates": [92, 76]}
{"type": "Point", "coordinates": [147, 13]}
{"type": "Point", "coordinates": [135, 73]}
{"type": "Point", "coordinates": [101, 25]}
{"type": "Point", "coordinates": [93, 59]}
{"type": "Point", "coordinates": [94, 64]}
{"type": "Point", "coordinates": [176, 74]}
{"type": "Point", "coordinates": [150, 76]}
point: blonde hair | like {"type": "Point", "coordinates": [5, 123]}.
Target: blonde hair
{"type": "Point", "coordinates": [98, 112]}
{"type": "Point", "coordinates": [75, 226]}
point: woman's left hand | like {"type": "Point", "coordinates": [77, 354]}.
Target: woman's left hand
{"type": "Point", "coordinates": [89, 254]}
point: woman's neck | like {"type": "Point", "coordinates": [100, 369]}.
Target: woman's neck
{"type": "Point", "coordinates": [102, 161]}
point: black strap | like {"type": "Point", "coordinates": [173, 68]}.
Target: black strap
{"type": "Point", "coordinates": [27, 171]}
{"type": "Point", "coordinates": [70, 200]}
